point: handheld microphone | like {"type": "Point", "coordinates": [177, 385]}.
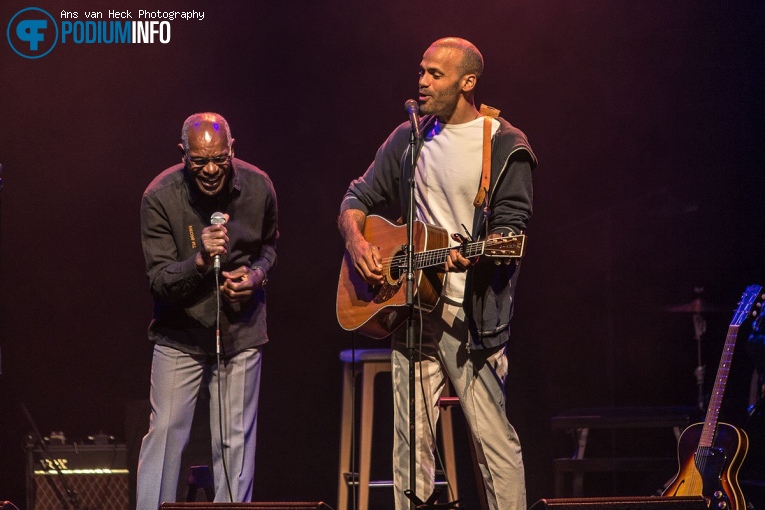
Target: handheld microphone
{"type": "Point", "coordinates": [413, 109]}
{"type": "Point", "coordinates": [217, 218]}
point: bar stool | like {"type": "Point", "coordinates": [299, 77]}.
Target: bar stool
{"type": "Point", "coordinates": [368, 364]}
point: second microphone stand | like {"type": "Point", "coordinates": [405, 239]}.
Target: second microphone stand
{"type": "Point", "coordinates": [410, 334]}
{"type": "Point", "coordinates": [415, 144]}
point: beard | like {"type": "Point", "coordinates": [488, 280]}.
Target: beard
{"type": "Point", "coordinates": [442, 103]}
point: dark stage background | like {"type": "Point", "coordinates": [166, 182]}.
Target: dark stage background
{"type": "Point", "coordinates": [647, 118]}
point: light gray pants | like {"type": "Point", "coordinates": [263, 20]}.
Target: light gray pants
{"type": "Point", "coordinates": [176, 378]}
{"type": "Point", "coordinates": [478, 379]}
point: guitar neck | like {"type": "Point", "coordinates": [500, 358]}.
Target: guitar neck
{"type": "Point", "coordinates": [749, 306]}
{"type": "Point", "coordinates": [715, 401]}
{"type": "Point", "coordinates": [439, 256]}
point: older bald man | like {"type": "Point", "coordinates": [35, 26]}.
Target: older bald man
{"type": "Point", "coordinates": [207, 281]}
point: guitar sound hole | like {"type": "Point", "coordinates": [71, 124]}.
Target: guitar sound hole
{"type": "Point", "coordinates": [393, 279]}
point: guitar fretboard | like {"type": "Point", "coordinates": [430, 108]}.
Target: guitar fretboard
{"type": "Point", "coordinates": [750, 305]}
{"type": "Point", "coordinates": [713, 412]}
{"type": "Point", "coordinates": [438, 256]}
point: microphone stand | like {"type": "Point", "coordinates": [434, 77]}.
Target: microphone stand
{"type": "Point", "coordinates": [410, 334]}
{"type": "Point", "coordinates": [219, 218]}
{"type": "Point", "coordinates": [415, 503]}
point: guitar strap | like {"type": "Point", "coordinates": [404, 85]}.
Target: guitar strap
{"type": "Point", "coordinates": [488, 113]}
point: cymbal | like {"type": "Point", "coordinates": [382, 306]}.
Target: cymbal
{"type": "Point", "coordinates": [698, 305]}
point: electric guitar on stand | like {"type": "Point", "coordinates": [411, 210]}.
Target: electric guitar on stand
{"type": "Point", "coordinates": [710, 454]}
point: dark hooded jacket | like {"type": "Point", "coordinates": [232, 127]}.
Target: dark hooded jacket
{"type": "Point", "coordinates": [489, 288]}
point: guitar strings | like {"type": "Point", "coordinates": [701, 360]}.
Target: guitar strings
{"type": "Point", "coordinates": [429, 257]}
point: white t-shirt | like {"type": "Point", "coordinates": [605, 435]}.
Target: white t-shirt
{"type": "Point", "coordinates": [446, 181]}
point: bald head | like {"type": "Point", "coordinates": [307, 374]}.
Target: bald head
{"type": "Point", "coordinates": [207, 126]}
{"type": "Point", "coordinates": [207, 151]}
{"type": "Point", "coordinates": [472, 60]}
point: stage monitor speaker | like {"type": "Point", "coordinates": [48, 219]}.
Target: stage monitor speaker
{"type": "Point", "coordinates": [278, 505]}
{"type": "Point", "coordinates": [623, 503]}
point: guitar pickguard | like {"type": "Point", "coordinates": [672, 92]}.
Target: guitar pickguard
{"type": "Point", "coordinates": [710, 463]}
{"type": "Point", "coordinates": [385, 292]}
{"type": "Point", "coordinates": [711, 471]}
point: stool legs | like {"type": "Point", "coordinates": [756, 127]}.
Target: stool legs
{"type": "Point", "coordinates": [447, 441]}
{"type": "Point", "coordinates": [346, 429]}
{"type": "Point", "coordinates": [368, 370]}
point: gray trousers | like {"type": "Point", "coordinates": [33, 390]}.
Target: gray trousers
{"type": "Point", "coordinates": [478, 379]}
{"type": "Point", "coordinates": [176, 378]}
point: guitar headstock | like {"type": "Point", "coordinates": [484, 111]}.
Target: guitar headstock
{"type": "Point", "coordinates": [750, 305]}
{"type": "Point", "coordinates": [510, 247]}
{"type": "Point", "coordinates": [758, 325]}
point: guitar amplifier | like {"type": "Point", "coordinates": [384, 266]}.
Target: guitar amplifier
{"type": "Point", "coordinates": [96, 475]}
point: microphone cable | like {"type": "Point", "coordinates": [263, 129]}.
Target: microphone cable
{"type": "Point", "coordinates": [220, 376]}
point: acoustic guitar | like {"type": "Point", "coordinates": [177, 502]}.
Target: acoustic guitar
{"type": "Point", "coordinates": [376, 311]}
{"type": "Point", "coordinates": [710, 454]}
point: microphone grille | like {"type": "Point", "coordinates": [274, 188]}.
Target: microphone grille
{"type": "Point", "coordinates": [218, 218]}
{"type": "Point", "coordinates": [411, 106]}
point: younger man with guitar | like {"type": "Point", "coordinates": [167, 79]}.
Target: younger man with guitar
{"type": "Point", "coordinates": [464, 337]}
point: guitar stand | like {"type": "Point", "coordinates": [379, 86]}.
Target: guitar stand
{"type": "Point", "coordinates": [430, 503]}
